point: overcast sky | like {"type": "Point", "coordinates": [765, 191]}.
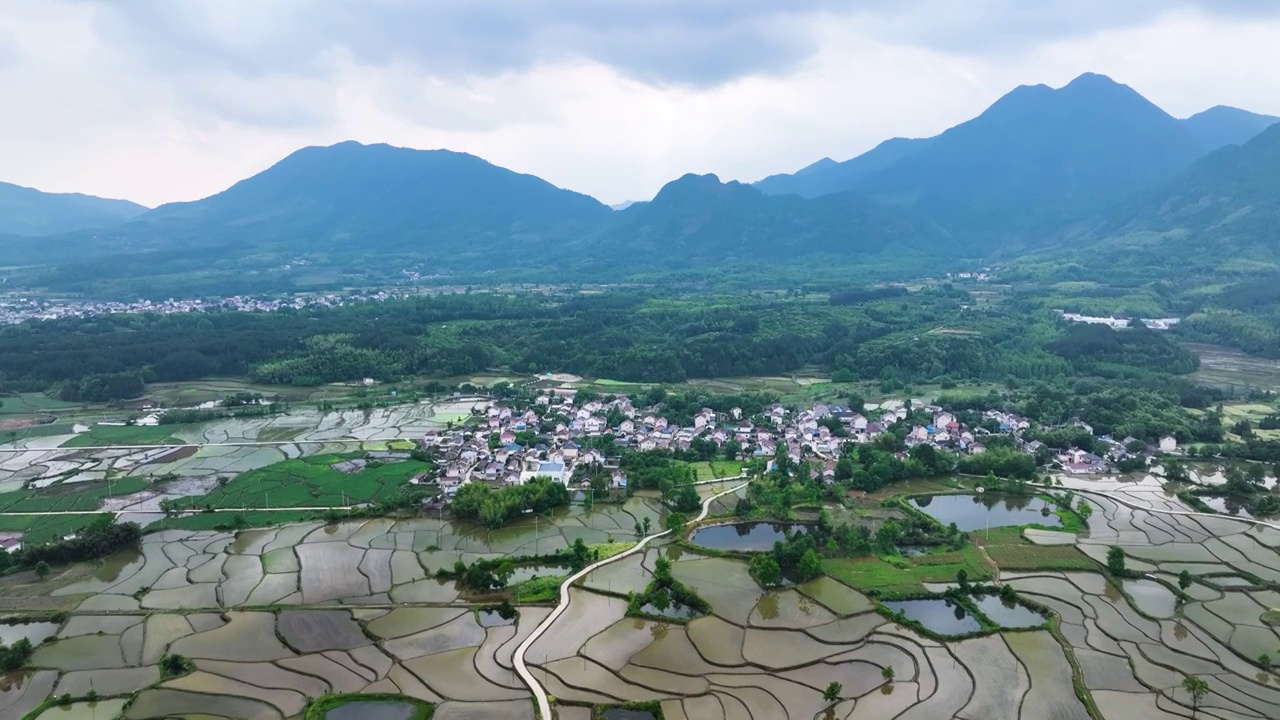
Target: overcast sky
{"type": "Point", "coordinates": [163, 100]}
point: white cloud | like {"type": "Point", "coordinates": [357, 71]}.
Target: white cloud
{"type": "Point", "coordinates": [96, 104]}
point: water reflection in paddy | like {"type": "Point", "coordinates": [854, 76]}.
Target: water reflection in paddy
{"type": "Point", "coordinates": [1151, 597]}
{"type": "Point", "coordinates": [744, 537]}
{"type": "Point", "coordinates": [1008, 613]}
{"type": "Point", "coordinates": [975, 512]}
{"type": "Point", "coordinates": [34, 632]}
{"type": "Point", "coordinates": [937, 614]}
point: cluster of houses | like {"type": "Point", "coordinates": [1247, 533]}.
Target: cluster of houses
{"type": "Point", "coordinates": [550, 437]}
{"type": "Point", "coordinates": [1081, 462]}
{"type": "Point", "coordinates": [17, 308]}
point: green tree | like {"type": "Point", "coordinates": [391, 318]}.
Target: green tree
{"type": "Point", "coordinates": [810, 566]}
{"type": "Point", "coordinates": [16, 655]}
{"type": "Point", "coordinates": [174, 665]}
{"type": "Point", "coordinates": [42, 569]}
{"type": "Point", "coordinates": [1196, 687]}
{"type": "Point", "coordinates": [686, 499]}
{"type": "Point", "coordinates": [887, 673]}
{"type": "Point", "coordinates": [1115, 561]}
{"type": "Point", "coordinates": [647, 525]}
{"type": "Point", "coordinates": [832, 693]}
{"type": "Point", "coordinates": [766, 571]}
{"type": "Point", "coordinates": [675, 522]}
{"type": "Point", "coordinates": [580, 555]}
{"type": "Point", "coordinates": [1184, 579]}
{"type": "Point", "coordinates": [1084, 509]}
{"type": "Point", "coordinates": [662, 570]}
{"type": "Point", "coordinates": [962, 579]}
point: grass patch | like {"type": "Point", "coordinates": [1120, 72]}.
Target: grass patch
{"type": "Point", "coordinates": [716, 469]}
{"type": "Point", "coordinates": [536, 590]}
{"type": "Point", "coordinates": [320, 707]}
{"type": "Point", "coordinates": [607, 550]}
{"type": "Point", "coordinates": [77, 496]}
{"type": "Point", "coordinates": [896, 576]}
{"type": "Point", "coordinates": [653, 707]}
{"type": "Point", "coordinates": [34, 404]}
{"type": "Point", "coordinates": [605, 382]}
{"type": "Point", "coordinates": [227, 520]}
{"type": "Point", "coordinates": [103, 435]}
{"type": "Point", "coordinates": [312, 481]}
{"type": "Point", "coordinates": [37, 529]}
{"type": "Point", "coordinates": [35, 431]}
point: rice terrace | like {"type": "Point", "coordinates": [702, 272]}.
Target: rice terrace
{"type": "Point", "coordinates": [264, 589]}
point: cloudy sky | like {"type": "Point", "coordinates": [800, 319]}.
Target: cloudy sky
{"type": "Point", "coordinates": [157, 100]}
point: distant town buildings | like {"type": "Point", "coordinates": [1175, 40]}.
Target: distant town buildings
{"type": "Point", "coordinates": [17, 308]}
{"type": "Point", "coordinates": [1119, 323]}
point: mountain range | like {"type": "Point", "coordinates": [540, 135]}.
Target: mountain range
{"type": "Point", "coordinates": [28, 212]}
{"type": "Point", "coordinates": [1041, 171]}
{"type": "Point", "coordinates": [1216, 219]}
{"type": "Point", "coordinates": [1036, 158]}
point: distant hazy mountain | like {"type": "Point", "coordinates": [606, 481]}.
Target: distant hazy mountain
{"type": "Point", "coordinates": [697, 220]}
{"type": "Point", "coordinates": [622, 205]}
{"type": "Point", "coordinates": [1216, 218]}
{"type": "Point", "coordinates": [828, 176]}
{"type": "Point", "coordinates": [1221, 125]}
{"type": "Point", "coordinates": [1037, 157]}
{"type": "Point", "coordinates": [26, 211]}
{"type": "Point", "coordinates": [382, 196]}
{"type": "Point", "coordinates": [347, 211]}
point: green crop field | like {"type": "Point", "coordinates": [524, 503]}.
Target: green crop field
{"type": "Point", "coordinates": [716, 469]}
{"type": "Point", "coordinates": [102, 435]}
{"type": "Point", "coordinates": [41, 528]}
{"type": "Point", "coordinates": [312, 482]}
{"type": "Point", "coordinates": [33, 404]}
{"type": "Point", "coordinates": [224, 520]}
{"type": "Point", "coordinates": [1026, 556]}
{"type": "Point", "coordinates": [902, 575]}
{"type": "Point", "coordinates": [60, 498]}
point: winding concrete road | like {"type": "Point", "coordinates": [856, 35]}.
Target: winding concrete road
{"type": "Point", "coordinates": [522, 669]}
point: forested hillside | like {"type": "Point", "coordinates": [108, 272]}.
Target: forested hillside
{"type": "Point", "coordinates": [28, 212]}
{"type": "Point", "coordinates": [897, 339]}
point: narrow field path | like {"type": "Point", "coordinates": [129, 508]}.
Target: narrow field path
{"type": "Point", "coordinates": [522, 669]}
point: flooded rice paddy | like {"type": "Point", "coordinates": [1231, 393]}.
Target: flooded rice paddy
{"type": "Point", "coordinates": [272, 617]}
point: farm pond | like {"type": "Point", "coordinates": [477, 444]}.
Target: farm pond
{"type": "Point", "coordinates": [937, 614]}
{"type": "Point", "coordinates": [975, 512]}
{"type": "Point", "coordinates": [744, 537]}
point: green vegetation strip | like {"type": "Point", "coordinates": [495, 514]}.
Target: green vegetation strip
{"type": "Point", "coordinates": [314, 482]}
{"type": "Point", "coordinates": [319, 708]}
